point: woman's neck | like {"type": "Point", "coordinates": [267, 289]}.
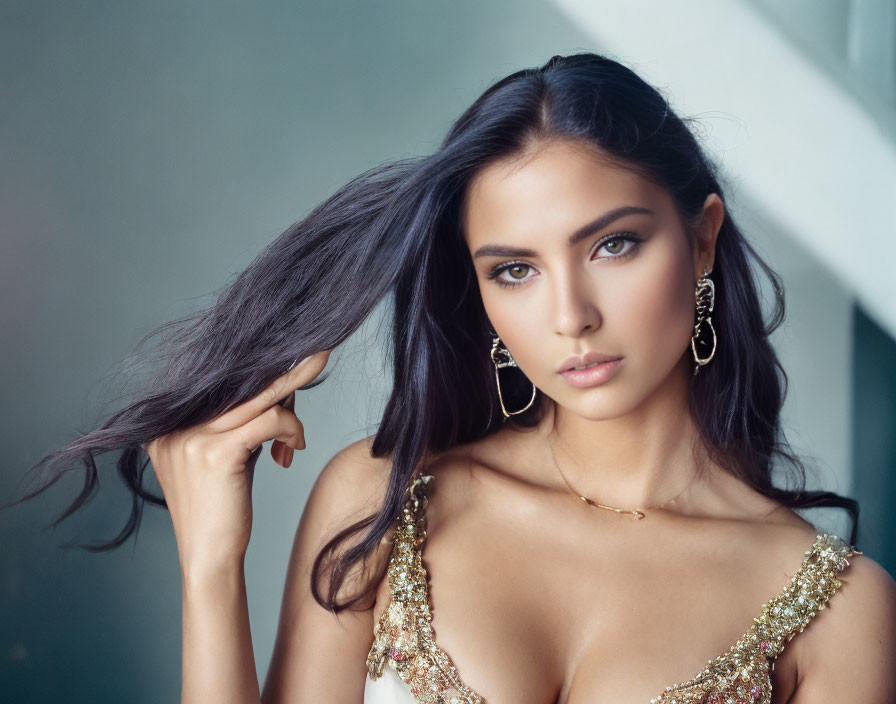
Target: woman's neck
{"type": "Point", "coordinates": [638, 460]}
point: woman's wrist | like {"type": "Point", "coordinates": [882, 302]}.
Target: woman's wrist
{"type": "Point", "coordinates": [218, 662]}
{"type": "Point", "coordinates": [212, 572]}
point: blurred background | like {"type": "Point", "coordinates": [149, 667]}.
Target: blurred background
{"type": "Point", "coordinates": [148, 150]}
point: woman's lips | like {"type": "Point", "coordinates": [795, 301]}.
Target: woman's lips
{"type": "Point", "coordinates": [592, 376]}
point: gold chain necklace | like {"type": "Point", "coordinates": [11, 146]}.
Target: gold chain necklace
{"type": "Point", "coordinates": [638, 513]}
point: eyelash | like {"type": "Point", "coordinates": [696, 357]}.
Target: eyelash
{"type": "Point", "coordinates": [624, 236]}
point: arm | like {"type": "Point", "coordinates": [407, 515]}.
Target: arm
{"type": "Point", "coordinates": [217, 659]}
{"type": "Point", "coordinates": [850, 650]}
{"type": "Point", "coordinates": [206, 473]}
{"type": "Point", "coordinates": [320, 656]}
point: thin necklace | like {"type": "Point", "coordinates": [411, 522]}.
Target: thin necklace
{"type": "Point", "coordinates": [638, 513]}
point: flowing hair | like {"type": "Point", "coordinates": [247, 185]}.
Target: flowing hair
{"type": "Point", "coordinates": [396, 230]}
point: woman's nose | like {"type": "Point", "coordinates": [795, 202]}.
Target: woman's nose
{"type": "Point", "coordinates": [575, 307]}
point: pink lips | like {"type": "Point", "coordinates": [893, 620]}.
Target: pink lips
{"type": "Point", "coordinates": [580, 360]}
{"type": "Point", "coordinates": [592, 376]}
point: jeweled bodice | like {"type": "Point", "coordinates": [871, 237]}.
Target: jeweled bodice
{"type": "Point", "coordinates": [404, 639]}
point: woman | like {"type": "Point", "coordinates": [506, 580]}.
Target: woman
{"type": "Point", "coordinates": [581, 433]}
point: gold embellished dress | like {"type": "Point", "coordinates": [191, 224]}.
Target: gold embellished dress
{"type": "Point", "coordinates": [406, 666]}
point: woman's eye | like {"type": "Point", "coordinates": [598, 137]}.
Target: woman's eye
{"type": "Point", "coordinates": [510, 274]}
{"type": "Point", "coordinates": [515, 273]}
{"type": "Point", "coordinates": [616, 246]}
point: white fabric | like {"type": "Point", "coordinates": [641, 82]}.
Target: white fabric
{"type": "Point", "coordinates": [388, 689]}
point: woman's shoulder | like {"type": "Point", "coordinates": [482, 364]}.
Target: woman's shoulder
{"type": "Point", "coordinates": [363, 479]}
{"type": "Point", "coordinates": [352, 486]}
{"type": "Point", "coordinates": [355, 474]}
{"type": "Point", "coordinates": [848, 654]}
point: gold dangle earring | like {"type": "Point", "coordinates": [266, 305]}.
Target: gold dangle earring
{"type": "Point", "coordinates": [501, 357]}
{"type": "Point", "coordinates": [706, 296]}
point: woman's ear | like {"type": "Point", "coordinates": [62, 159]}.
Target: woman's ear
{"type": "Point", "coordinates": [708, 225]}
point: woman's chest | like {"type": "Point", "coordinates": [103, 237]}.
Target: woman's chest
{"type": "Point", "coordinates": [528, 618]}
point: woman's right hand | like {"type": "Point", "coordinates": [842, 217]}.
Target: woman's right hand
{"type": "Point", "coordinates": [206, 471]}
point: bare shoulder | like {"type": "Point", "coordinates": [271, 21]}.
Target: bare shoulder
{"type": "Point", "coordinates": [849, 649]}
{"type": "Point", "coordinates": [352, 480]}
{"type": "Point", "coordinates": [350, 488]}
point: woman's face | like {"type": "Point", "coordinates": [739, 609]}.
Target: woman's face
{"type": "Point", "coordinates": [555, 285]}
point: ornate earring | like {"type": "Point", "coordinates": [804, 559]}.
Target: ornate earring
{"type": "Point", "coordinates": [706, 296]}
{"type": "Point", "coordinates": [501, 357]}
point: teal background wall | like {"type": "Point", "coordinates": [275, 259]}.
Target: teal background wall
{"type": "Point", "coordinates": [147, 151]}
{"type": "Point", "coordinates": [874, 415]}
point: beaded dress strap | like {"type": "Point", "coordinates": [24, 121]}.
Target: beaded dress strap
{"type": "Point", "coordinates": [403, 637]}
{"type": "Point", "coordinates": [809, 591]}
{"type": "Point", "coordinates": [742, 674]}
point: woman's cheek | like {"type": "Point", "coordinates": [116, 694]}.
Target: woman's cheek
{"type": "Point", "coordinates": [667, 318]}
{"type": "Point", "coordinates": [679, 335]}
{"type": "Point", "coordinates": [527, 339]}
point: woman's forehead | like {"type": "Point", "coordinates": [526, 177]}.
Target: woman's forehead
{"type": "Point", "coordinates": [558, 186]}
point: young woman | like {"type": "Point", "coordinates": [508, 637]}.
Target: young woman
{"type": "Point", "coordinates": [569, 498]}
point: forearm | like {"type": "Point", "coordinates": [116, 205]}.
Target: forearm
{"type": "Point", "coordinates": [218, 663]}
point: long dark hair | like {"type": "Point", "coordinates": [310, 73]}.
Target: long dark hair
{"type": "Point", "coordinates": [396, 230]}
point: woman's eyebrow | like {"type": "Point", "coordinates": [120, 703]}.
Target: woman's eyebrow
{"type": "Point", "coordinates": [494, 250]}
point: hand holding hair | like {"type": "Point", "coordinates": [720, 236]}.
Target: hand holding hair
{"type": "Point", "coordinates": [206, 471]}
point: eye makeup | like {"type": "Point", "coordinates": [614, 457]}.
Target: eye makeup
{"type": "Point", "coordinates": [630, 237]}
